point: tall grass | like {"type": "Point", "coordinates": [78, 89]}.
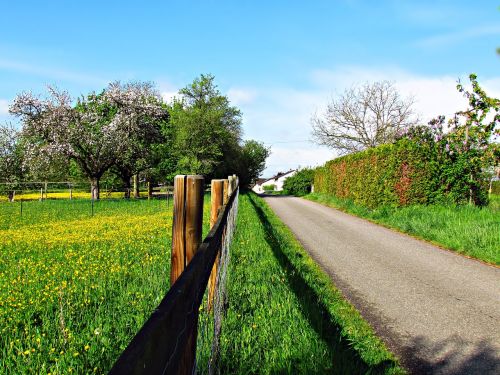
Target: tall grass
{"type": "Point", "coordinates": [284, 316]}
{"type": "Point", "coordinates": [468, 230]}
{"type": "Point", "coordinates": [75, 288]}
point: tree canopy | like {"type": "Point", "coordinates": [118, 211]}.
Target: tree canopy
{"type": "Point", "coordinates": [126, 130]}
{"type": "Point", "coordinates": [207, 129]}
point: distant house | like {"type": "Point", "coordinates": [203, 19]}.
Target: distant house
{"type": "Point", "coordinates": [276, 180]}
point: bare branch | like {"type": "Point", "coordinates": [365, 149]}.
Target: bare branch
{"type": "Point", "coordinates": [363, 117]}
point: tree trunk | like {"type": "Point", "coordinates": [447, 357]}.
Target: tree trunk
{"type": "Point", "coordinates": [94, 188]}
{"type": "Point", "coordinates": [126, 184]}
{"type": "Point", "coordinates": [136, 186]}
{"type": "Point", "coordinates": [150, 190]}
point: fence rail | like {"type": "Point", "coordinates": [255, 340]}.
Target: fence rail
{"type": "Point", "coordinates": [165, 343]}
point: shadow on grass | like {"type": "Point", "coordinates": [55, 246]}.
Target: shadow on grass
{"type": "Point", "coordinates": [345, 359]}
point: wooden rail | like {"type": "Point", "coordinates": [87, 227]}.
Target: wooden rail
{"type": "Point", "coordinates": [161, 344]}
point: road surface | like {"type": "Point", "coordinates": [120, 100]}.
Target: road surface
{"type": "Point", "coordinates": [437, 311]}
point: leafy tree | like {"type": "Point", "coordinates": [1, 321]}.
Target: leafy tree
{"type": "Point", "coordinates": [11, 159]}
{"type": "Point", "coordinates": [300, 183]}
{"type": "Point", "coordinates": [207, 129]}
{"type": "Point", "coordinates": [253, 157]}
{"type": "Point", "coordinates": [363, 117]}
{"type": "Point", "coordinates": [466, 147]}
{"type": "Point", "coordinates": [95, 133]}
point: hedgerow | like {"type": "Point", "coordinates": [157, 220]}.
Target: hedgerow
{"type": "Point", "coordinates": [426, 164]}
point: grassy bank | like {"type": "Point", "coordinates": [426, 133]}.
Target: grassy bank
{"type": "Point", "coordinates": [468, 230]}
{"type": "Point", "coordinates": [284, 315]}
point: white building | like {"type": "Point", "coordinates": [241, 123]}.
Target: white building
{"type": "Point", "coordinates": [277, 181]}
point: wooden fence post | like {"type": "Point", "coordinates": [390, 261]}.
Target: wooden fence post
{"type": "Point", "coordinates": [178, 255]}
{"type": "Point", "coordinates": [186, 238]}
{"type": "Point", "coordinates": [230, 186]}
{"type": "Point", "coordinates": [217, 200]}
{"type": "Point", "coordinates": [226, 190]}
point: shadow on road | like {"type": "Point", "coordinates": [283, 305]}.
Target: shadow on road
{"type": "Point", "coordinates": [344, 358]}
{"type": "Point", "coordinates": [482, 360]}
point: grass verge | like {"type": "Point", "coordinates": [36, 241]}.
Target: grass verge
{"type": "Point", "coordinates": [468, 230]}
{"type": "Point", "coordinates": [284, 314]}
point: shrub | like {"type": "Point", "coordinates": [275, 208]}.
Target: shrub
{"type": "Point", "coordinates": [270, 187]}
{"type": "Point", "coordinates": [300, 183]}
{"type": "Point", "coordinates": [397, 174]}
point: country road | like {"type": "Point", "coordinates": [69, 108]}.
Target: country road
{"type": "Point", "coordinates": [437, 311]}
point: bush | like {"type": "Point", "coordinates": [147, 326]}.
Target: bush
{"type": "Point", "coordinates": [270, 187]}
{"type": "Point", "coordinates": [300, 183]}
{"type": "Point", "coordinates": [397, 174]}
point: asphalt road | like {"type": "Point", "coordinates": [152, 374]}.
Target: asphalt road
{"type": "Point", "coordinates": [437, 311]}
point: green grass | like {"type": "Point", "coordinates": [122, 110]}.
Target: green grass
{"type": "Point", "coordinates": [284, 315]}
{"type": "Point", "coordinates": [468, 230]}
{"type": "Point", "coordinates": [75, 288]}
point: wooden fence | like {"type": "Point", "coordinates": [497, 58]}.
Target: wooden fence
{"type": "Point", "coordinates": [166, 343]}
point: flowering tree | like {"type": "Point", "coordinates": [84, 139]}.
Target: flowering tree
{"type": "Point", "coordinates": [467, 146]}
{"type": "Point", "coordinates": [96, 132]}
{"type": "Point", "coordinates": [143, 117]}
{"type": "Point", "coordinates": [11, 159]}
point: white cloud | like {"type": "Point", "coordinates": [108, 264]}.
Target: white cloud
{"type": "Point", "coordinates": [4, 107]}
{"type": "Point", "coordinates": [168, 96]}
{"type": "Point", "coordinates": [240, 96]}
{"type": "Point", "coordinates": [459, 36]}
{"type": "Point", "coordinates": [284, 158]}
{"type": "Point", "coordinates": [52, 72]}
{"type": "Point", "coordinates": [280, 116]}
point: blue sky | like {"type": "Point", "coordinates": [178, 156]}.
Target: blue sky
{"type": "Point", "coordinates": [279, 61]}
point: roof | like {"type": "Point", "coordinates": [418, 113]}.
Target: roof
{"type": "Point", "coordinates": [261, 181]}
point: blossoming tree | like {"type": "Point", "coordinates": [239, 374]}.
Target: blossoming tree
{"type": "Point", "coordinates": [96, 132]}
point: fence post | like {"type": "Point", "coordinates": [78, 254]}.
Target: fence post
{"type": "Point", "coordinates": [194, 215]}
{"type": "Point", "coordinates": [178, 229]}
{"type": "Point", "coordinates": [226, 190]}
{"type": "Point", "coordinates": [230, 186]}
{"type": "Point", "coordinates": [186, 238]}
{"type": "Point", "coordinates": [216, 202]}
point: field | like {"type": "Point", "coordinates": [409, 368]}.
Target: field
{"type": "Point", "coordinates": [74, 288]}
{"type": "Point", "coordinates": [284, 315]}
{"type": "Point", "coordinates": [468, 230]}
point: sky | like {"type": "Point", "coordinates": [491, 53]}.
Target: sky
{"type": "Point", "coordinates": [280, 62]}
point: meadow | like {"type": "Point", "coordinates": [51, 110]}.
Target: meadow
{"type": "Point", "coordinates": [469, 230]}
{"type": "Point", "coordinates": [75, 288]}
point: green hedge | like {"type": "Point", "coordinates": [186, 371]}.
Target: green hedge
{"type": "Point", "coordinates": [403, 173]}
{"type": "Point", "coordinates": [394, 174]}
{"type": "Point", "coordinates": [300, 183]}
